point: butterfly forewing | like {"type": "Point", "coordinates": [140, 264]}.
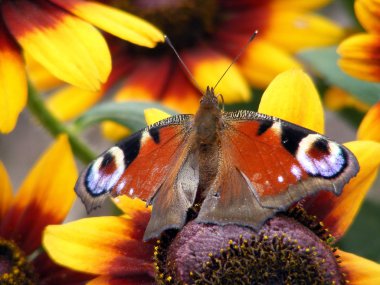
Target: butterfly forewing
{"type": "Point", "coordinates": [285, 162]}
{"type": "Point", "coordinates": [137, 166]}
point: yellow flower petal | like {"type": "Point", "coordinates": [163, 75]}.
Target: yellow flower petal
{"type": "Point", "coordinates": [13, 86]}
{"type": "Point", "coordinates": [134, 92]}
{"type": "Point", "coordinates": [360, 46]}
{"type": "Point", "coordinates": [186, 103]}
{"type": "Point", "coordinates": [338, 212]}
{"type": "Point", "coordinates": [71, 101]}
{"type": "Point", "coordinates": [172, 88]}
{"type": "Point", "coordinates": [344, 212]}
{"type": "Point", "coordinates": [360, 271]}
{"type": "Point", "coordinates": [298, 30]}
{"type": "Point", "coordinates": [262, 61]}
{"type": "Point", "coordinates": [360, 56]}
{"type": "Point", "coordinates": [336, 99]}
{"type": "Point", "coordinates": [207, 66]}
{"type": "Point", "coordinates": [45, 196]}
{"type": "Point", "coordinates": [101, 245]}
{"type": "Point", "coordinates": [41, 78]}
{"type": "Point", "coordinates": [131, 206]}
{"type": "Point", "coordinates": [114, 131]}
{"type": "Point", "coordinates": [114, 21]}
{"type": "Point", "coordinates": [292, 96]}
{"type": "Point", "coordinates": [6, 194]}
{"type": "Point", "coordinates": [68, 47]}
{"type": "Point", "coordinates": [181, 95]}
{"type": "Point", "coordinates": [299, 4]}
{"type": "Point", "coordinates": [369, 128]}
{"type": "Point", "coordinates": [368, 14]}
{"type": "Point", "coordinates": [143, 83]}
{"type": "Point", "coordinates": [153, 115]}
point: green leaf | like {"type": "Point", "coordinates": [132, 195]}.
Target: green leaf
{"type": "Point", "coordinates": [363, 236]}
{"type": "Point", "coordinates": [128, 114]}
{"type": "Point", "coordinates": [324, 61]}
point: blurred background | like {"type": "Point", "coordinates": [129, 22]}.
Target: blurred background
{"type": "Point", "coordinates": [21, 148]}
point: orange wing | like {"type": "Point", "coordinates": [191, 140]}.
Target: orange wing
{"type": "Point", "coordinates": [268, 164]}
{"type": "Point", "coordinates": [156, 164]}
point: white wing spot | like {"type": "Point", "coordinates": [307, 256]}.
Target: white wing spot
{"type": "Point", "coordinates": [276, 127]}
{"type": "Point", "coordinates": [296, 171]}
{"type": "Point", "coordinates": [145, 136]}
{"type": "Point", "coordinates": [327, 166]}
{"type": "Point", "coordinates": [97, 181]}
{"type": "Point", "coordinates": [120, 187]}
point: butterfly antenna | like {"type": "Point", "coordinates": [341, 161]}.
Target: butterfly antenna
{"type": "Point", "coordinates": [167, 40]}
{"type": "Point", "coordinates": [221, 99]}
{"type": "Point", "coordinates": [238, 56]}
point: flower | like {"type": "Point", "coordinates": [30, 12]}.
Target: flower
{"type": "Point", "coordinates": [291, 246]}
{"type": "Point", "coordinates": [207, 34]}
{"type": "Point", "coordinates": [360, 53]}
{"type": "Point", "coordinates": [44, 197]}
{"type": "Point", "coordinates": [369, 128]}
{"type": "Point", "coordinates": [60, 35]}
{"type": "Point", "coordinates": [337, 99]}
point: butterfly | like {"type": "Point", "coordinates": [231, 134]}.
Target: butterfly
{"type": "Point", "coordinates": [241, 167]}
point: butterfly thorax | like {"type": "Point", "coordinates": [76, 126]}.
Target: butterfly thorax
{"type": "Point", "coordinates": [207, 120]}
{"type": "Point", "coordinates": [208, 126]}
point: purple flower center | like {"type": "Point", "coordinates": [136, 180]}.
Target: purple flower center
{"type": "Point", "coordinates": [283, 251]}
{"type": "Point", "coordinates": [14, 267]}
{"type": "Point", "coordinates": [185, 21]}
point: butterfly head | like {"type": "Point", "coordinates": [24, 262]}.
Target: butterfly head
{"type": "Point", "coordinates": [209, 99]}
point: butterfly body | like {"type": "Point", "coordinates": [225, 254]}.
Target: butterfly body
{"type": "Point", "coordinates": [241, 167]}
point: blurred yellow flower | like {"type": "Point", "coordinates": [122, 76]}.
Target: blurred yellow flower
{"type": "Point", "coordinates": [360, 53]}
{"type": "Point", "coordinates": [44, 198]}
{"type": "Point", "coordinates": [337, 99]}
{"type": "Point", "coordinates": [369, 129]}
{"type": "Point", "coordinates": [61, 36]}
{"type": "Point", "coordinates": [112, 247]}
{"type": "Point", "coordinates": [207, 34]}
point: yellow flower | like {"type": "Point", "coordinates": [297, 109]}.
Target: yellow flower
{"type": "Point", "coordinates": [60, 35]}
{"type": "Point", "coordinates": [360, 53]}
{"type": "Point", "coordinates": [369, 129]}
{"type": "Point", "coordinates": [207, 34]}
{"type": "Point", "coordinates": [292, 246]}
{"type": "Point", "coordinates": [44, 198]}
{"type": "Point", "coordinates": [337, 99]}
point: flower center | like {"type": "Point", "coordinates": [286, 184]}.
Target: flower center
{"type": "Point", "coordinates": [14, 267]}
{"type": "Point", "coordinates": [184, 21]}
{"type": "Point", "coordinates": [283, 251]}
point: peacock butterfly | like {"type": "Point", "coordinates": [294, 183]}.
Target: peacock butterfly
{"type": "Point", "coordinates": [242, 167]}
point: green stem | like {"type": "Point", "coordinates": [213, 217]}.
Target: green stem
{"type": "Point", "coordinates": [55, 127]}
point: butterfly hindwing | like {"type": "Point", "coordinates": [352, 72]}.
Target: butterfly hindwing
{"type": "Point", "coordinates": [175, 196]}
{"type": "Point", "coordinates": [137, 166]}
{"type": "Point", "coordinates": [231, 201]}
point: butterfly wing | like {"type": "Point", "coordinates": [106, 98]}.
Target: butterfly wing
{"type": "Point", "coordinates": [175, 196]}
{"type": "Point", "coordinates": [274, 163]}
{"type": "Point", "coordinates": [231, 199]}
{"type": "Point", "coordinates": [146, 165]}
